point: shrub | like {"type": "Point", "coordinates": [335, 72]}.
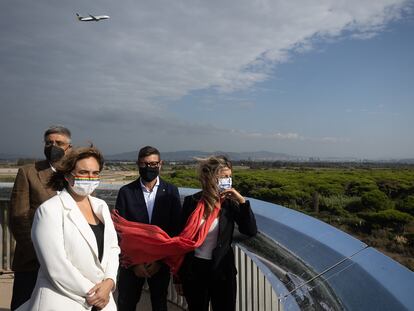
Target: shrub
{"type": "Point", "coordinates": [410, 238]}
{"type": "Point", "coordinates": [357, 187]}
{"type": "Point", "coordinates": [391, 187]}
{"type": "Point", "coordinates": [389, 218]}
{"type": "Point", "coordinates": [406, 205]}
{"type": "Point", "coordinates": [355, 205]}
{"type": "Point", "coordinates": [336, 204]}
{"type": "Point", "coordinates": [375, 200]}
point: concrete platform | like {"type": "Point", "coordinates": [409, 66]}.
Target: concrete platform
{"type": "Point", "coordinates": [6, 285]}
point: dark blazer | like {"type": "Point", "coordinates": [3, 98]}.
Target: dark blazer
{"type": "Point", "coordinates": [223, 257]}
{"type": "Point", "coordinates": [29, 191]}
{"type": "Point", "coordinates": [166, 214]}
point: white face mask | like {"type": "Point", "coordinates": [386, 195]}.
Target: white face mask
{"type": "Point", "coordinates": [84, 186]}
{"type": "Point", "coordinates": [224, 183]}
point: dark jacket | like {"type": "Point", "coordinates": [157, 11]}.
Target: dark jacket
{"type": "Point", "coordinates": [29, 191]}
{"type": "Point", "coordinates": [223, 258]}
{"type": "Point", "coordinates": [166, 214]}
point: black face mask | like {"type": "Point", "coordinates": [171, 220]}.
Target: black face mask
{"type": "Point", "coordinates": [54, 153]}
{"type": "Point", "coordinates": [148, 173]}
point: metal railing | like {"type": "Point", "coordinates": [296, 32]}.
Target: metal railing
{"type": "Point", "coordinates": [254, 291]}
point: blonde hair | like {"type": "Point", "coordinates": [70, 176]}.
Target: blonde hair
{"type": "Point", "coordinates": [208, 170]}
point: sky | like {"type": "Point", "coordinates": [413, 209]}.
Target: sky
{"type": "Point", "coordinates": [322, 78]}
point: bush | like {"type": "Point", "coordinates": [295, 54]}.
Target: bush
{"type": "Point", "coordinates": [375, 200]}
{"type": "Point", "coordinates": [410, 239]}
{"type": "Point", "coordinates": [357, 187]}
{"type": "Point", "coordinates": [391, 187]}
{"type": "Point", "coordinates": [336, 204]}
{"type": "Point", "coordinates": [354, 206]}
{"type": "Point", "coordinates": [389, 218]}
{"type": "Point", "coordinates": [406, 205]}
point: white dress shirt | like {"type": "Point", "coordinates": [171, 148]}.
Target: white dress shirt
{"type": "Point", "coordinates": [149, 196]}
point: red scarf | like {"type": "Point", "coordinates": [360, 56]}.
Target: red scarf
{"type": "Point", "coordinates": [143, 243]}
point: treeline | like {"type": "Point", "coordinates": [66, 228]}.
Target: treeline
{"type": "Point", "coordinates": [375, 204]}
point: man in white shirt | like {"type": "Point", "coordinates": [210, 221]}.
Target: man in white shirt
{"type": "Point", "coordinates": [150, 200]}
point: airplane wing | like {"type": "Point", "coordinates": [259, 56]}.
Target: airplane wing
{"type": "Point", "coordinates": [84, 19]}
{"type": "Point", "coordinates": [95, 18]}
{"type": "Point", "coordinates": [91, 17]}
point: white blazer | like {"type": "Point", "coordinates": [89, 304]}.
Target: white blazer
{"type": "Point", "coordinates": [67, 250]}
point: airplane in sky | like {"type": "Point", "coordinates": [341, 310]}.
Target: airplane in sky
{"type": "Point", "coordinates": [92, 18]}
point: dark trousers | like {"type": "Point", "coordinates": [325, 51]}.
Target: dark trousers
{"type": "Point", "coordinates": [130, 288]}
{"type": "Point", "coordinates": [23, 285]}
{"type": "Point", "coordinates": [203, 286]}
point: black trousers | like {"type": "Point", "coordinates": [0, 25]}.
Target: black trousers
{"type": "Point", "coordinates": [130, 289]}
{"type": "Point", "coordinates": [204, 286]}
{"type": "Point", "coordinates": [23, 285]}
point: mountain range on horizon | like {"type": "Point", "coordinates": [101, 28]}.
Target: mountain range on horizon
{"type": "Point", "coordinates": [265, 156]}
{"type": "Point", "coordinates": [190, 155]}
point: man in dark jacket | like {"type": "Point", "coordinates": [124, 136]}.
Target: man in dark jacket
{"type": "Point", "coordinates": [150, 200]}
{"type": "Point", "coordinates": [29, 191]}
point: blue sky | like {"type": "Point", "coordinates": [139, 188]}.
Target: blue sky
{"type": "Point", "coordinates": [321, 79]}
{"type": "Point", "coordinates": [356, 93]}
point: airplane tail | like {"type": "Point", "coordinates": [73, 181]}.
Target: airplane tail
{"type": "Point", "coordinates": [79, 17]}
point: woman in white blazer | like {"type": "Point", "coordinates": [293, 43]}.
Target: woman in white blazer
{"type": "Point", "coordinates": [75, 240]}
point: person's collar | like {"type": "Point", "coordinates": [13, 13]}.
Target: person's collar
{"type": "Point", "coordinates": [145, 188]}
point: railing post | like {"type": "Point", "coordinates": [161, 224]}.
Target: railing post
{"type": "Point", "coordinates": [249, 281]}
{"type": "Point", "coordinates": [255, 285]}
{"type": "Point", "coordinates": [6, 243]}
{"type": "Point", "coordinates": [262, 302]}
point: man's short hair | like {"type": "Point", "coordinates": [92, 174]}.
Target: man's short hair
{"type": "Point", "coordinates": [147, 151]}
{"type": "Point", "coordinates": [57, 129]}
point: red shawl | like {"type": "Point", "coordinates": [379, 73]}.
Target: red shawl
{"type": "Point", "coordinates": [143, 243]}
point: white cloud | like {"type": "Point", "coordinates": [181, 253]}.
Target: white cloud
{"type": "Point", "coordinates": [170, 48]}
{"type": "Point", "coordinates": [151, 53]}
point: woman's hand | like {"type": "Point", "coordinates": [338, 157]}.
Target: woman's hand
{"type": "Point", "coordinates": [99, 294]}
{"type": "Point", "coordinates": [232, 194]}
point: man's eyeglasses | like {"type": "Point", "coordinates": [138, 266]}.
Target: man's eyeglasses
{"type": "Point", "coordinates": [149, 164]}
{"type": "Point", "coordinates": [58, 143]}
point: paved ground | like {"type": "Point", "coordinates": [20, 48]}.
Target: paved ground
{"type": "Point", "coordinates": [6, 284]}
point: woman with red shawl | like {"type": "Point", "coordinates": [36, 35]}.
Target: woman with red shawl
{"type": "Point", "coordinates": [208, 273]}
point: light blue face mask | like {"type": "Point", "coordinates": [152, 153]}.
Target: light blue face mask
{"type": "Point", "coordinates": [224, 183]}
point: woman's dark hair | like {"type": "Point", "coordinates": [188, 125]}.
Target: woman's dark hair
{"type": "Point", "coordinates": [57, 181]}
{"type": "Point", "coordinates": [208, 170]}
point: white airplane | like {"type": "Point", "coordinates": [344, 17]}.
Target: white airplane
{"type": "Point", "coordinates": [91, 18]}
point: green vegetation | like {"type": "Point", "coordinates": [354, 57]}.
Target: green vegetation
{"type": "Point", "coordinates": [375, 204]}
{"type": "Point", "coordinates": [363, 202]}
